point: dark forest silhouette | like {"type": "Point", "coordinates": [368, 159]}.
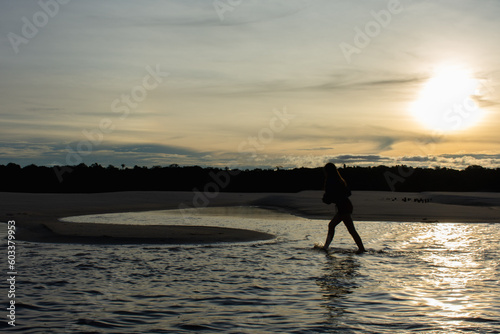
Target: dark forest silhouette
{"type": "Point", "coordinates": [96, 178]}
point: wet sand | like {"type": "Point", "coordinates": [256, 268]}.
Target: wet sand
{"type": "Point", "coordinates": [37, 215]}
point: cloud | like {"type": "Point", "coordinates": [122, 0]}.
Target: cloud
{"type": "Point", "coordinates": [154, 154]}
{"type": "Point", "coordinates": [459, 161]}
{"type": "Point", "coordinates": [316, 149]}
{"type": "Point", "coordinates": [292, 161]}
{"type": "Point", "coordinates": [80, 152]}
{"type": "Point", "coordinates": [222, 13]}
{"type": "Point", "coordinates": [417, 159]}
{"type": "Point", "coordinates": [348, 158]}
{"type": "Point", "coordinates": [228, 73]}
{"type": "Point", "coordinates": [347, 82]}
{"type": "Point", "coordinates": [151, 149]}
{"type": "Point", "coordinates": [353, 82]}
{"type": "Point", "coordinates": [456, 161]}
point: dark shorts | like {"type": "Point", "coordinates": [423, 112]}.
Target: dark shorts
{"type": "Point", "coordinates": [344, 207]}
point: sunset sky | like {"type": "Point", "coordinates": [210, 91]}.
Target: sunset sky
{"type": "Point", "coordinates": [250, 83]}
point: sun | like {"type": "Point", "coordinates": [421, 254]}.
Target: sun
{"type": "Point", "coordinates": [446, 101]}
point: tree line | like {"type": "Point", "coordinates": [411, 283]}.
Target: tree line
{"type": "Point", "coordinates": [97, 178]}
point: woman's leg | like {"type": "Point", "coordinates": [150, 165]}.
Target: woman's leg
{"type": "Point", "coordinates": [331, 230]}
{"type": "Point", "coordinates": [350, 227]}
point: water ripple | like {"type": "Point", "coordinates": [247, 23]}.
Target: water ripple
{"type": "Point", "coordinates": [435, 278]}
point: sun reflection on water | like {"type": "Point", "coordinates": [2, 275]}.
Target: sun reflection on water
{"type": "Point", "coordinates": [450, 262]}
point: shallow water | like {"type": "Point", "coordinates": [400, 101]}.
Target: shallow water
{"type": "Point", "coordinates": [416, 277]}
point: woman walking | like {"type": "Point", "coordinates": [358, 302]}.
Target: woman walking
{"type": "Point", "coordinates": [336, 191]}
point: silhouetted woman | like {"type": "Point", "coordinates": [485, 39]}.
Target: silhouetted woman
{"type": "Point", "coordinates": [336, 191]}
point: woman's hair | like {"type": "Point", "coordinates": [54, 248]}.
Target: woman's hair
{"type": "Point", "coordinates": [332, 171]}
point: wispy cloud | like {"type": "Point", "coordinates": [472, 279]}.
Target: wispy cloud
{"type": "Point", "coordinates": [230, 69]}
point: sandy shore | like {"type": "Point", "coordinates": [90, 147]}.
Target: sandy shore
{"type": "Point", "coordinates": [37, 215]}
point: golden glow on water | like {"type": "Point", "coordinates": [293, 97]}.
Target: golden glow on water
{"type": "Point", "coordinates": [415, 277]}
{"type": "Point", "coordinates": [449, 270]}
{"type": "Point", "coordinates": [446, 102]}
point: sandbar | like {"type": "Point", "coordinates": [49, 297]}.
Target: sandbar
{"type": "Point", "coordinates": [38, 216]}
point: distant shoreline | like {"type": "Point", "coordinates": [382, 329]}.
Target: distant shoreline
{"type": "Point", "coordinates": [96, 178]}
{"type": "Point", "coordinates": [37, 214]}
